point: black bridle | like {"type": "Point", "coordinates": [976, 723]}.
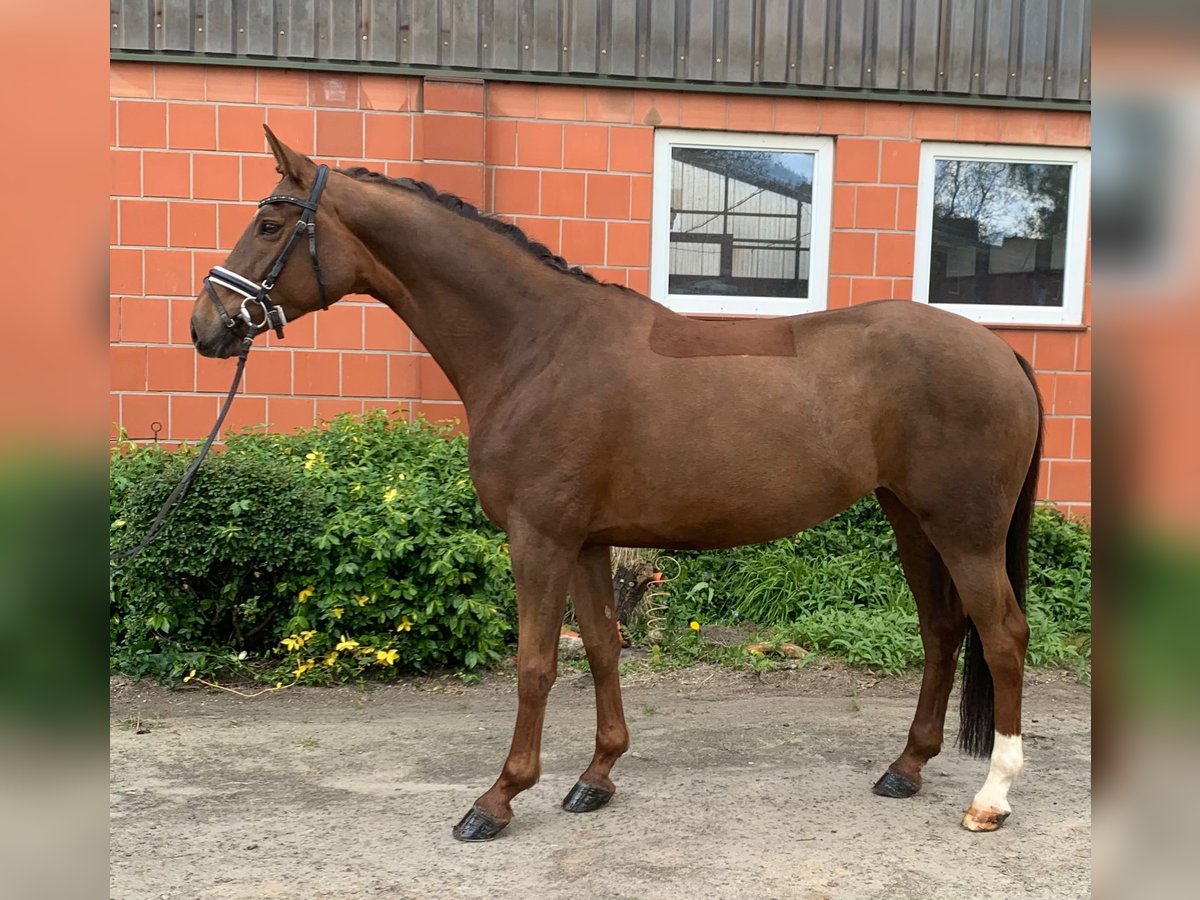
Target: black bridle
{"type": "Point", "coordinates": [260, 293]}
{"type": "Point", "coordinates": [273, 317]}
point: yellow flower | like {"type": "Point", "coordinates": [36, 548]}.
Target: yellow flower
{"type": "Point", "coordinates": [303, 596]}
{"type": "Point", "coordinates": [308, 635]}
{"type": "Point", "coordinates": [304, 667]}
{"type": "Point", "coordinates": [387, 657]}
{"type": "Point", "coordinates": [278, 685]}
{"type": "Point", "coordinates": [313, 459]}
{"type": "Point", "coordinates": [295, 642]}
{"type": "Point", "coordinates": [190, 676]}
{"type": "Point", "coordinates": [362, 599]}
{"type": "Point", "coordinates": [347, 643]}
{"type": "Point", "coordinates": [694, 625]}
{"type": "Point", "coordinates": [357, 489]}
{"type": "Point", "coordinates": [331, 657]}
{"type": "Point", "coordinates": [405, 624]}
{"type": "Point", "coordinates": [389, 495]}
{"type": "Point", "coordinates": [337, 612]}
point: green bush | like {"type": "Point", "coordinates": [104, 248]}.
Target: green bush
{"type": "Point", "coordinates": [354, 549]}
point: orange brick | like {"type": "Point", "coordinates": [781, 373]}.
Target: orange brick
{"type": "Point", "coordinates": [856, 159]}
{"type": "Point", "coordinates": [632, 149]}
{"type": "Point", "coordinates": [300, 333]}
{"type": "Point", "coordinates": [247, 414]}
{"type": "Point", "coordinates": [556, 101]}
{"type": "Point", "coordinates": [697, 110]}
{"type": "Point", "coordinates": [339, 133]}
{"type": "Point", "coordinates": [114, 215]}
{"type": "Point", "coordinates": [166, 174]}
{"type": "Point", "coordinates": [192, 417]}
{"type": "Point", "coordinates": [902, 288]}
{"type": "Point", "coordinates": [234, 84]}
{"type": "Point", "coordinates": [130, 79]}
{"type": "Point", "coordinates": [1083, 356]}
{"type": "Point", "coordinates": [510, 100]}
{"type": "Point", "coordinates": [852, 253]}
{"type": "Point", "coordinates": [583, 242]}
{"type": "Point", "coordinates": [125, 271]}
{"type": "Point", "coordinates": [316, 373]}
{"type": "Point", "coordinates": [656, 108]}
{"type": "Point", "coordinates": [179, 81]}
{"type": "Point", "coordinates": [1082, 447]}
{"type": "Point", "coordinates": [562, 193]}
{"type": "Point", "coordinates": [454, 414]}
{"type": "Point", "coordinates": [864, 290]}
{"type": "Point", "coordinates": [843, 117]}
{"type": "Point", "coordinates": [364, 374]}
{"type": "Point", "coordinates": [144, 223]}
{"type": "Point", "coordinates": [934, 123]}
{"type": "Point", "coordinates": [112, 123]}
{"type": "Point", "coordinates": [900, 162]}
{"type": "Point", "coordinates": [609, 104]}
{"type": "Point", "coordinates": [797, 115]}
{"type": "Point", "coordinates": [125, 173]}
{"type": "Point", "coordinates": [287, 414]}
{"type": "Point", "coordinates": [608, 196]}
{"type": "Point", "coordinates": [979, 124]}
{"type": "Point", "coordinates": [500, 139]}
{"type": "Point", "coordinates": [215, 176]}
{"type": "Point", "coordinates": [328, 410]}
{"type": "Point", "coordinates": [258, 177]}
{"type": "Point", "coordinates": [295, 127]}
{"type": "Point", "coordinates": [453, 96]}
{"type": "Point", "coordinates": [464, 180]}
{"type": "Point", "coordinates": [539, 144]}
{"type": "Point", "coordinates": [383, 329]}
{"type": "Point", "coordinates": [639, 280]}
{"type": "Point", "coordinates": [389, 136]}
{"type": "Point", "coordinates": [875, 207]}
{"type": "Point", "coordinates": [585, 147]}
{"type": "Point", "coordinates": [434, 383]}
{"type": "Point", "coordinates": [906, 209]}
{"type": "Point", "coordinates": [404, 375]}
{"type": "Point", "coordinates": [1019, 340]}
{"type": "Point", "coordinates": [171, 369]}
{"type": "Point", "coordinates": [1024, 126]}
{"type": "Point", "coordinates": [1071, 481]}
{"type": "Point", "coordinates": [340, 327]}
{"type": "Point", "coordinates": [1057, 437]}
{"type": "Point", "coordinates": [544, 231]}
{"type": "Point", "coordinates": [641, 197]}
{"type": "Point", "coordinates": [169, 272]}
{"type": "Point", "coordinates": [1055, 351]}
{"type": "Point", "coordinates": [843, 205]}
{"type": "Point", "coordinates": [453, 137]}
{"type": "Point", "coordinates": [271, 372]}
{"type": "Point", "coordinates": [232, 220]}
{"type": "Point", "coordinates": [140, 412]}
{"type": "Point", "coordinates": [335, 89]}
{"type": "Point", "coordinates": [193, 225]}
{"type": "Point", "coordinates": [516, 191]}
{"type": "Point", "coordinates": [142, 123]}
{"type": "Point", "coordinates": [1068, 129]}
{"type": "Point", "coordinates": [894, 254]}
{"type": "Point", "coordinates": [241, 128]}
{"type": "Point", "coordinates": [889, 119]}
{"type": "Point", "coordinates": [628, 244]}
{"type": "Point", "coordinates": [383, 92]}
{"type": "Point", "coordinates": [839, 292]}
{"type": "Point", "coordinates": [283, 87]}
{"type": "Point", "coordinates": [750, 113]}
{"type": "Point", "coordinates": [126, 368]}
{"type": "Point", "coordinates": [1043, 481]}
{"type": "Point", "coordinates": [1072, 394]}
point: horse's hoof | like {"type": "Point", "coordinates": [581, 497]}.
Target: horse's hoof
{"type": "Point", "coordinates": [477, 825]}
{"type": "Point", "coordinates": [585, 798]}
{"type": "Point", "coordinates": [987, 819]}
{"type": "Point", "coordinates": [893, 784]}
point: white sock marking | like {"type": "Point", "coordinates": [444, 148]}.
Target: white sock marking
{"type": "Point", "coordinates": [1007, 763]}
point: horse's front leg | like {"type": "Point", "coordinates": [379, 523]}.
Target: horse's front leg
{"type": "Point", "coordinates": [542, 568]}
{"type": "Point", "coordinates": [591, 591]}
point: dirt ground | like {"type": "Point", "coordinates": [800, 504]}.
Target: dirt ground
{"type": "Point", "coordinates": [735, 786]}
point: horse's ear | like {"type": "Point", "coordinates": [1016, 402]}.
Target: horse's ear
{"type": "Point", "coordinates": [288, 162]}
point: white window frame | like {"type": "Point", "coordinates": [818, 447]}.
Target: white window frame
{"type": "Point", "coordinates": [660, 228]}
{"type": "Point", "coordinates": [1075, 261]}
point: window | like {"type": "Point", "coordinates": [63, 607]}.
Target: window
{"type": "Point", "coordinates": [1002, 232]}
{"type": "Point", "coordinates": [741, 222]}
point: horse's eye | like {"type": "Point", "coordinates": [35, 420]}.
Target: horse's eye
{"type": "Point", "coordinates": [268, 227]}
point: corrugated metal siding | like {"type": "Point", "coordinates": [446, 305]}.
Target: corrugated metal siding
{"type": "Point", "coordinates": [1014, 49]}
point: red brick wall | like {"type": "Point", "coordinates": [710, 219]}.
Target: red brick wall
{"type": "Point", "coordinates": [570, 165]}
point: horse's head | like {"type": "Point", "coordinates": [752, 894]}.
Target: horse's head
{"type": "Point", "coordinates": [294, 257]}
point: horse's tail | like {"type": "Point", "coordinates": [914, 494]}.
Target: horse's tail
{"type": "Point", "coordinates": [977, 709]}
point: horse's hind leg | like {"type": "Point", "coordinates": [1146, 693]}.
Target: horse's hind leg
{"type": "Point", "coordinates": [591, 591]}
{"type": "Point", "coordinates": [541, 569]}
{"type": "Point", "coordinates": [943, 625]}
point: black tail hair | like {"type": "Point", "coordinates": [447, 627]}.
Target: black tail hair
{"type": "Point", "coordinates": [977, 729]}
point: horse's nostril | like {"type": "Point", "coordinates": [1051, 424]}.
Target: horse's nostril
{"type": "Point", "coordinates": [195, 338]}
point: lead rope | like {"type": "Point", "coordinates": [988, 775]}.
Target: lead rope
{"type": "Point", "coordinates": [176, 497]}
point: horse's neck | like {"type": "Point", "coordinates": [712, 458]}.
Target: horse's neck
{"type": "Point", "coordinates": [479, 304]}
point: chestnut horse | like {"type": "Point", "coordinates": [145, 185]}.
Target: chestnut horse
{"type": "Point", "coordinates": [585, 398]}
